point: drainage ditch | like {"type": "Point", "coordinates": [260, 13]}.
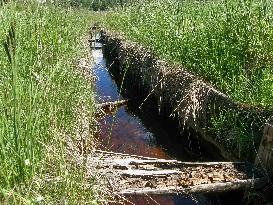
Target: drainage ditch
{"type": "Point", "coordinates": [138, 128]}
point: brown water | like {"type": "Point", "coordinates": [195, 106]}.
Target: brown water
{"type": "Point", "coordinates": [122, 131]}
{"type": "Point", "coordinates": [143, 132]}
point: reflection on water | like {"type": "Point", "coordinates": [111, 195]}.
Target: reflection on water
{"type": "Point", "coordinates": [125, 133]}
{"type": "Point", "coordinates": [162, 200]}
{"type": "Point", "coordinates": [106, 88]}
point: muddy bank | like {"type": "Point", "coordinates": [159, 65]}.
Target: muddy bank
{"type": "Point", "coordinates": [193, 103]}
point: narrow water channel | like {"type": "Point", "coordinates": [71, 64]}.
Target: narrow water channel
{"type": "Point", "coordinates": [143, 132]}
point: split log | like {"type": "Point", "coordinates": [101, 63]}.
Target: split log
{"type": "Point", "coordinates": [144, 175]}
{"type": "Point", "coordinates": [140, 160]}
{"type": "Point", "coordinates": [127, 156]}
{"type": "Point", "coordinates": [107, 153]}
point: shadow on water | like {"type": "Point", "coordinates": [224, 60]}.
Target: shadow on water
{"type": "Point", "coordinates": [142, 131]}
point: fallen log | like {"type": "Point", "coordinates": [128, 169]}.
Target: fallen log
{"type": "Point", "coordinates": [133, 174]}
{"type": "Point", "coordinates": [148, 173]}
{"type": "Point", "coordinates": [97, 40]}
{"type": "Point", "coordinates": [203, 188]}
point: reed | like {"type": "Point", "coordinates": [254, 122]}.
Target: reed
{"type": "Point", "coordinates": [100, 5]}
{"type": "Point", "coordinates": [40, 93]}
{"type": "Point", "coordinates": [227, 43]}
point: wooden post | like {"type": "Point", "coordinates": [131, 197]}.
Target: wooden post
{"type": "Point", "coordinates": [265, 153]}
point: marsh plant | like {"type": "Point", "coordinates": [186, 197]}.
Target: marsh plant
{"type": "Point", "coordinates": [40, 90]}
{"type": "Point", "coordinates": [99, 5]}
{"type": "Point", "coordinates": [227, 43]}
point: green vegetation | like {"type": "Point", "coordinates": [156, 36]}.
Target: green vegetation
{"type": "Point", "coordinates": [41, 91]}
{"type": "Point", "coordinates": [227, 43]}
{"type": "Point", "coordinates": [98, 5]}
{"type": "Point", "coordinates": [232, 130]}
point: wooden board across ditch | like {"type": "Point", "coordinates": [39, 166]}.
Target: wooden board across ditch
{"type": "Point", "coordinates": [130, 174]}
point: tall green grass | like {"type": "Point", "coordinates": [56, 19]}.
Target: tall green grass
{"type": "Point", "coordinates": [99, 5]}
{"type": "Point", "coordinates": [40, 93]}
{"type": "Point", "coordinates": [227, 43]}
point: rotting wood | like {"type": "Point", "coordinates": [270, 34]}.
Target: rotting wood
{"type": "Point", "coordinates": [95, 30]}
{"type": "Point", "coordinates": [203, 188]}
{"type": "Point", "coordinates": [132, 174]}
{"type": "Point", "coordinates": [109, 107]}
{"type": "Point", "coordinates": [265, 153]}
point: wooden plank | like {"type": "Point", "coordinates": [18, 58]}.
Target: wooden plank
{"type": "Point", "coordinates": [178, 163]}
{"type": "Point", "coordinates": [134, 174]}
{"type": "Point", "coordinates": [265, 153]}
{"type": "Point", "coordinates": [97, 40]}
{"type": "Point", "coordinates": [207, 188]}
{"type": "Point", "coordinates": [136, 159]}
{"type": "Point", "coordinates": [102, 152]}
{"type": "Point", "coordinates": [147, 173]}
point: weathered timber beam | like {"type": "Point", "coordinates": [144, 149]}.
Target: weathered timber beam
{"type": "Point", "coordinates": [105, 153]}
{"type": "Point", "coordinates": [265, 153]}
{"type": "Point", "coordinates": [147, 173]}
{"type": "Point", "coordinates": [140, 160]}
{"type": "Point", "coordinates": [143, 175]}
{"type": "Point", "coordinates": [97, 40]}
{"type": "Point", "coordinates": [203, 188]}
{"type": "Point", "coordinates": [175, 162]}
{"type": "Point", "coordinates": [109, 107]}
